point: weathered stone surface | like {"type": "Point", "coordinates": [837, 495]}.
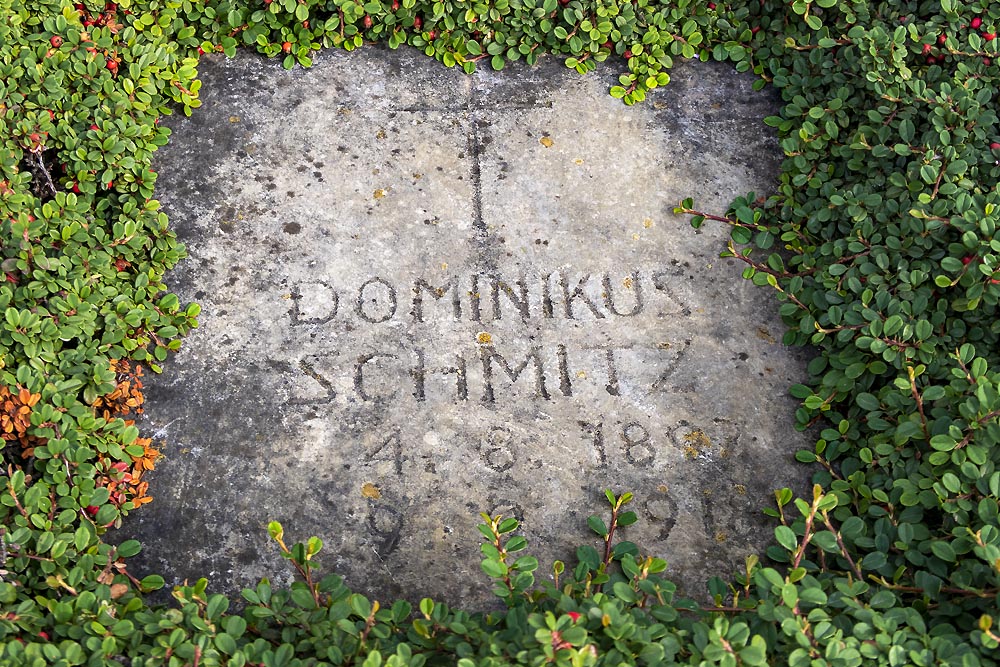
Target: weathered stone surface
{"type": "Point", "coordinates": [427, 295]}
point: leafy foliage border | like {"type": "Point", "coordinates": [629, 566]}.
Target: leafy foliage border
{"type": "Point", "coordinates": [880, 244]}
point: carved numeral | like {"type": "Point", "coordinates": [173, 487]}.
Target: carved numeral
{"type": "Point", "coordinates": [388, 449]}
{"type": "Point", "coordinates": [636, 445]}
{"type": "Point", "coordinates": [497, 449]}
{"type": "Point", "coordinates": [595, 433]}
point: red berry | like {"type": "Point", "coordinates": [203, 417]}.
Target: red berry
{"type": "Point", "coordinates": [754, 30]}
{"type": "Point", "coordinates": [395, 5]}
{"type": "Point", "coordinates": [113, 66]}
{"type": "Point", "coordinates": [989, 36]}
{"type": "Point", "coordinates": [56, 41]}
{"type": "Point", "coordinates": [931, 60]}
{"type": "Point", "coordinates": [110, 184]}
{"type": "Point", "coordinates": [711, 5]}
{"type": "Point", "coordinates": [627, 54]}
{"type": "Point", "coordinates": [91, 509]}
{"type": "Point", "coordinates": [417, 22]}
{"type": "Point", "coordinates": [995, 146]}
{"type": "Point", "coordinates": [286, 47]}
{"type": "Point", "coordinates": [975, 23]}
{"type": "Point", "coordinates": [987, 62]}
{"type": "Point", "coordinates": [575, 615]}
{"type": "Point", "coordinates": [942, 38]}
{"type": "Point", "coordinates": [902, 19]}
{"type": "Point", "coordinates": [926, 49]}
{"type": "Point", "coordinates": [201, 51]}
{"type": "Point", "coordinates": [431, 35]}
{"type": "Point", "coordinates": [44, 635]}
{"type": "Point", "coordinates": [967, 259]}
{"type": "Point", "coordinates": [94, 128]}
{"type": "Point", "coordinates": [76, 188]}
{"type": "Point", "coordinates": [368, 21]}
{"type": "Point", "coordinates": [34, 137]}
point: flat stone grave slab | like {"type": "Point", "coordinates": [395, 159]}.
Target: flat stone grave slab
{"type": "Point", "coordinates": [427, 295]}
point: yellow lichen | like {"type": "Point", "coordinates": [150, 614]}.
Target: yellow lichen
{"type": "Point", "coordinates": [697, 439]}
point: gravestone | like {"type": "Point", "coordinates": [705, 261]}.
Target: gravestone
{"type": "Point", "coordinates": [427, 295]}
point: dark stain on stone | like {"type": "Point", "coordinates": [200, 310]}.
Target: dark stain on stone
{"type": "Point", "coordinates": [227, 226]}
{"type": "Point", "coordinates": [292, 228]}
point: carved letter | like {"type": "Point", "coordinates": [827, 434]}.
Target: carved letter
{"type": "Point", "coordinates": [359, 375]}
{"type": "Point", "coordinates": [521, 302]}
{"type": "Point", "coordinates": [578, 293]}
{"type": "Point", "coordinates": [296, 315]}
{"type": "Point", "coordinates": [633, 284]}
{"type": "Point", "coordinates": [390, 305]}
{"type": "Point", "coordinates": [565, 384]}
{"type": "Point", "coordinates": [419, 285]}
{"type": "Point", "coordinates": [419, 374]}
{"type": "Point", "coordinates": [487, 354]}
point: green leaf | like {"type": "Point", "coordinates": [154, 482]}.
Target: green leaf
{"type": "Point", "coordinates": [754, 655]}
{"type": "Point", "coordinates": [597, 525]}
{"type": "Point", "coordinates": [106, 514]}
{"type": "Point", "coordinates": [867, 402]}
{"type": "Point", "coordinates": [128, 548]}
{"type": "Point", "coordinates": [427, 607]}
{"type": "Point", "coordinates": [494, 568]}
{"type": "Point", "coordinates": [507, 525]}
{"type": "Point", "coordinates": [624, 592]}
{"type": "Point", "coordinates": [786, 538]}
{"type": "Point", "coordinates": [217, 605]}
{"type": "Point", "coordinates": [944, 551]}
{"type": "Point", "coordinates": [225, 643]}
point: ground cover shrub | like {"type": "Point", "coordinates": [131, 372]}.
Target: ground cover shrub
{"type": "Point", "coordinates": [880, 243]}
